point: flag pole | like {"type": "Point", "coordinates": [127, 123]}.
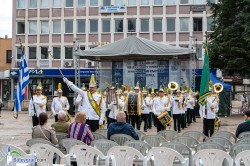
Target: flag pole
{"type": "Point", "coordinates": [50, 53]}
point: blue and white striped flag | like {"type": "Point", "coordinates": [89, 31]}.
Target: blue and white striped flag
{"type": "Point", "coordinates": [23, 80]}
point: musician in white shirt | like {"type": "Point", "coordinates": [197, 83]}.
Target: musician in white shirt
{"type": "Point", "coordinates": [79, 101]}
{"type": "Point", "coordinates": [161, 104]}
{"type": "Point", "coordinates": [177, 110]}
{"type": "Point", "coordinates": [189, 102]}
{"type": "Point", "coordinates": [59, 103]}
{"type": "Point", "coordinates": [147, 103]}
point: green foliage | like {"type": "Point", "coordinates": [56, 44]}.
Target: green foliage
{"type": "Point", "coordinates": [229, 44]}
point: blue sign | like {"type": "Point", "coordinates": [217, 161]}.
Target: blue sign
{"type": "Point", "coordinates": [163, 73]}
{"type": "Point", "coordinates": [140, 72]}
{"type": "Point", "coordinates": [55, 73]}
{"type": "Point", "coordinates": [112, 9]}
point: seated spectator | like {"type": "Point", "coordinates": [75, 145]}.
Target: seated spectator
{"type": "Point", "coordinates": [245, 126]}
{"type": "Point", "coordinates": [42, 130]}
{"type": "Point", "coordinates": [61, 126]}
{"type": "Point", "coordinates": [80, 130]}
{"type": "Point", "coordinates": [121, 127]}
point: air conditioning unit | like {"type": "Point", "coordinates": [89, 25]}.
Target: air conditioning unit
{"type": "Point", "coordinates": [68, 64]}
{"type": "Point", "coordinates": [18, 63]}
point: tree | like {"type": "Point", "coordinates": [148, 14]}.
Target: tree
{"type": "Point", "coordinates": [229, 46]}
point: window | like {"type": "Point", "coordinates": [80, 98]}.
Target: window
{"type": "Point", "coordinates": [56, 52]}
{"type": "Point", "coordinates": [183, 1]}
{"type": "Point", "coordinates": [32, 52]}
{"type": "Point", "coordinates": [44, 53]}
{"type": "Point", "coordinates": [171, 2]}
{"type": "Point", "coordinates": [32, 27]}
{"type": "Point", "coordinates": [119, 25]}
{"type": "Point", "coordinates": [80, 26]}
{"type": "Point", "coordinates": [157, 2]}
{"type": "Point", "coordinates": [68, 52]}
{"type": "Point", "coordinates": [197, 2]}
{"type": "Point", "coordinates": [211, 1]}
{"type": "Point", "coordinates": [105, 25]}
{"type": "Point", "coordinates": [8, 56]}
{"type": "Point", "coordinates": [57, 26]}
{"type": "Point", "coordinates": [33, 4]}
{"type": "Point", "coordinates": [170, 24]}
{"type": "Point", "coordinates": [184, 24]}
{"type": "Point", "coordinates": [144, 2]}
{"type": "Point", "coordinates": [197, 24]}
{"type": "Point", "coordinates": [210, 24]}
{"type": "Point", "coordinates": [199, 51]}
{"type": "Point", "coordinates": [68, 26]}
{"type": "Point", "coordinates": [44, 3]}
{"type": "Point", "coordinates": [131, 25]}
{"type": "Point", "coordinates": [57, 3]}
{"type": "Point", "coordinates": [119, 3]}
{"type": "Point", "coordinates": [44, 27]}
{"type": "Point", "coordinates": [106, 2]}
{"type": "Point", "coordinates": [94, 3]}
{"type": "Point", "coordinates": [20, 4]}
{"type": "Point", "coordinates": [20, 28]}
{"type": "Point", "coordinates": [19, 53]}
{"type": "Point", "coordinates": [157, 25]}
{"type": "Point", "coordinates": [82, 48]}
{"type": "Point", "coordinates": [69, 3]}
{"type": "Point", "coordinates": [144, 25]}
{"type": "Point", "coordinates": [131, 3]}
{"type": "Point", "coordinates": [93, 26]}
{"type": "Point", "coordinates": [81, 3]}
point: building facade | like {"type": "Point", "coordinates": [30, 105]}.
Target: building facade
{"type": "Point", "coordinates": [43, 25]}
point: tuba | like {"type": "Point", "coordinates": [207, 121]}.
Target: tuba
{"type": "Point", "coordinates": [218, 87]}
{"type": "Point", "coordinates": [173, 85]}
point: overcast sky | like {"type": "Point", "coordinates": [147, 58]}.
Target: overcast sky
{"type": "Point", "coordinates": [6, 18]}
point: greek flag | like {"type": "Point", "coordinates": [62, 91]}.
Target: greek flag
{"type": "Point", "coordinates": [23, 80]}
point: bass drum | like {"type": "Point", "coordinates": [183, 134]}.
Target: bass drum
{"type": "Point", "coordinates": [133, 103]}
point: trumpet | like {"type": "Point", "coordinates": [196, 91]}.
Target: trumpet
{"type": "Point", "coordinates": [173, 85]}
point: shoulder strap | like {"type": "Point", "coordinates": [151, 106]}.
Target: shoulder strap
{"type": "Point", "coordinates": [43, 133]}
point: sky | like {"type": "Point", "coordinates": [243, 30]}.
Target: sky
{"type": "Point", "coordinates": [6, 18]}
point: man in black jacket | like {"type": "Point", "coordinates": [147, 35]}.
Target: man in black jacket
{"type": "Point", "coordinates": [245, 126]}
{"type": "Point", "coordinates": [121, 127]}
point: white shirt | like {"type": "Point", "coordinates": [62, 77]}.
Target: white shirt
{"type": "Point", "coordinates": [59, 104]}
{"type": "Point", "coordinates": [147, 104]}
{"type": "Point", "coordinates": [87, 107]}
{"type": "Point", "coordinates": [176, 103]}
{"type": "Point", "coordinates": [212, 107]}
{"type": "Point", "coordinates": [79, 102]}
{"type": "Point", "coordinates": [39, 102]}
{"type": "Point", "coordinates": [161, 104]}
{"type": "Point", "coordinates": [113, 108]}
{"type": "Point", "coordinates": [190, 102]}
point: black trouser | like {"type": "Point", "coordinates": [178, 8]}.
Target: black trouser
{"type": "Point", "coordinates": [107, 115]}
{"type": "Point", "coordinates": [35, 120]}
{"type": "Point", "coordinates": [93, 124]}
{"type": "Point", "coordinates": [56, 118]}
{"type": "Point", "coordinates": [135, 119]}
{"type": "Point", "coordinates": [183, 121]}
{"type": "Point", "coordinates": [150, 119]}
{"type": "Point", "coordinates": [155, 120]}
{"type": "Point", "coordinates": [208, 126]}
{"type": "Point", "coordinates": [159, 126]}
{"type": "Point", "coordinates": [144, 117]}
{"type": "Point", "coordinates": [111, 120]}
{"type": "Point", "coordinates": [127, 117]}
{"type": "Point", "coordinates": [189, 116]}
{"type": "Point", "coordinates": [177, 122]}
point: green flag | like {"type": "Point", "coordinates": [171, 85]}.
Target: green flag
{"type": "Point", "coordinates": [205, 78]}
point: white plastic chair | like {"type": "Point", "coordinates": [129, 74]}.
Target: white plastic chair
{"type": "Point", "coordinates": [139, 133]}
{"type": "Point", "coordinates": [189, 141]}
{"type": "Point", "coordinates": [154, 140]}
{"type": "Point", "coordinates": [209, 145]}
{"type": "Point", "coordinates": [244, 135]}
{"type": "Point", "coordinates": [162, 156]}
{"type": "Point", "coordinates": [70, 142]}
{"type": "Point", "coordinates": [123, 156]}
{"type": "Point", "coordinates": [103, 132]}
{"type": "Point", "coordinates": [244, 140]}
{"type": "Point", "coordinates": [169, 135]}
{"type": "Point", "coordinates": [61, 136]}
{"type": "Point", "coordinates": [47, 152]}
{"type": "Point", "coordinates": [225, 134]}
{"type": "Point", "coordinates": [212, 157]}
{"type": "Point", "coordinates": [141, 146]}
{"type": "Point", "coordinates": [103, 145]}
{"type": "Point", "coordinates": [20, 153]}
{"type": "Point", "coordinates": [38, 141]}
{"type": "Point", "coordinates": [98, 136]}
{"type": "Point", "coordinates": [222, 141]}
{"type": "Point", "coordinates": [243, 156]}
{"type": "Point", "coordinates": [121, 138]}
{"type": "Point", "coordinates": [199, 136]}
{"type": "Point", "coordinates": [237, 148]}
{"type": "Point", "coordinates": [86, 155]}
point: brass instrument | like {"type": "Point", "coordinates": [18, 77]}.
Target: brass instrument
{"type": "Point", "coordinates": [173, 85]}
{"type": "Point", "coordinates": [165, 119]}
{"type": "Point", "coordinates": [218, 87]}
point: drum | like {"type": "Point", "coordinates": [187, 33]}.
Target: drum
{"type": "Point", "coordinates": [165, 118]}
{"type": "Point", "coordinates": [134, 103]}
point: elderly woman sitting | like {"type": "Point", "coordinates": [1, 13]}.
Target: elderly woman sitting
{"type": "Point", "coordinates": [42, 130]}
{"type": "Point", "coordinates": [80, 130]}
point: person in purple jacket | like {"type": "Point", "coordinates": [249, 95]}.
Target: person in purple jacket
{"type": "Point", "coordinates": [121, 127]}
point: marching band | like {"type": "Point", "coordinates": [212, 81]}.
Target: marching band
{"type": "Point", "coordinates": [172, 103]}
